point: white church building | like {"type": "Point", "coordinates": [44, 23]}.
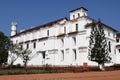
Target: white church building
{"type": "Point", "coordinates": [64, 41]}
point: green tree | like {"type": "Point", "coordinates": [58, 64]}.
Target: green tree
{"type": "Point", "coordinates": [26, 55]}
{"type": "Point", "coordinates": [98, 49]}
{"type": "Point", "coordinates": [14, 53]}
{"type": "Point", "coordinates": [4, 47]}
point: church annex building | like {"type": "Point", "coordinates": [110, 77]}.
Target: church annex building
{"type": "Point", "coordinates": [64, 41]}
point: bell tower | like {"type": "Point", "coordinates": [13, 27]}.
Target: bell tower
{"type": "Point", "coordinates": [13, 28]}
{"type": "Point", "coordinates": [79, 12]}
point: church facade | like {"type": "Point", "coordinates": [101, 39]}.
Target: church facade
{"type": "Point", "coordinates": [64, 42]}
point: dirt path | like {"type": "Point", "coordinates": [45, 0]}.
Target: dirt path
{"type": "Point", "coordinates": [106, 75]}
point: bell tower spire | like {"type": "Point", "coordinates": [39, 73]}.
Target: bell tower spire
{"type": "Point", "coordinates": [13, 28]}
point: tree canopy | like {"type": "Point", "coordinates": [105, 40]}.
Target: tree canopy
{"type": "Point", "coordinates": [14, 53]}
{"type": "Point", "coordinates": [98, 49]}
{"type": "Point", "coordinates": [4, 47]}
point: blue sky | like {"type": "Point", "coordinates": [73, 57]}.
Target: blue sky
{"type": "Point", "coordinates": [30, 13]}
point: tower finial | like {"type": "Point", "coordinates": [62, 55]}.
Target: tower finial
{"type": "Point", "coordinates": [14, 23]}
{"type": "Point", "coordinates": [13, 28]}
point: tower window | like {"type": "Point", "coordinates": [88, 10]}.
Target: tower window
{"type": "Point", "coordinates": [73, 16]}
{"type": "Point", "coordinates": [76, 27]}
{"type": "Point", "coordinates": [78, 15]}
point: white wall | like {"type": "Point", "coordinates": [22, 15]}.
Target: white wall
{"type": "Point", "coordinates": [53, 44]}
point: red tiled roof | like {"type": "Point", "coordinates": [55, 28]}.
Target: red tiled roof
{"type": "Point", "coordinates": [38, 27]}
{"type": "Point", "coordinates": [33, 40]}
{"type": "Point", "coordinates": [21, 43]}
{"type": "Point", "coordinates": [89, 25]}
{"type": "Point", "coordinates": [74, 32]}
{"type": "Point", "coordinates": [43, 38]}
{"type": "Point", "coordinates": [27, 41]}
{"type": "Point", "coordinates": [61, 35]}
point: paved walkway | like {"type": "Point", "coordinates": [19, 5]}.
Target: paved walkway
{"type": "Point", "coordinates": [106, 75]}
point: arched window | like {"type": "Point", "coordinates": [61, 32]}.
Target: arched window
{"type": "Point", "coordinates": [73, 16]}
{"type": "Point", "coordinates": [109, 45]}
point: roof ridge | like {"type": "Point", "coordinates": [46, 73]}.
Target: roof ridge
{"type": "Point", "coordinates": [89, 24]}
{"type": "Point", "coordinates": [78, 9]}
{"type": "Point", "coordinates": [43, 25]}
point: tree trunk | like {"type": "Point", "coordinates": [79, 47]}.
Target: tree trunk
{"type": "Point", "coordinates": [25, 66]}
{"type": "Point", "coordinates": [11, 65]}
{"type": "Point", "coordinates": [101, 67]}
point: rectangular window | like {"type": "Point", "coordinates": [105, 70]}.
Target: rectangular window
{"type": "Point", "coordinates": [43, 54]}
{"type": "Point", "coordinates": [109, 46]}
{"type": "Point", "coordinates": [113, 35]}
{"type": "Point", "coordinates": [74, 40]}
{"type": "Point", "coordinates": [21, 46]}
{"type": "Point", "coordinates": [62, 41]}
{"type": "Point", "coordinates": [48, 32]}
{"type": "Point", "coordinates": [67, 51]}
{"type": "Point", "coordinates": [119, 50]}
{"type": "Point", "coordinates": [16, 41]}
{"type": "Point", "coordinates": [75, 55]}
{"type": "Point", "coordinates": [82, 49]}
{"type": "Point", "coordinates": [34, 45]}
{"type": "Point", "coordinates": [62, 54]}
{"type": "Point", "coordinates": [115, 50]}
{"type": "Point", "coordinates": [117, 40]}
{"type": "Point", "coordinates": [27, 46]}
{"type": "Point", "coordinates": [108, 33]}
{"type": "Point", "coordinates": [64, 29]}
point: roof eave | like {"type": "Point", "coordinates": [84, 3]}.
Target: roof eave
{"type": "Point", "coordinates": [78, 9]}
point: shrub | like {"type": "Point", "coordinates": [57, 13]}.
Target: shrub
{"type": "Point", "coordinates": [115, 66]}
